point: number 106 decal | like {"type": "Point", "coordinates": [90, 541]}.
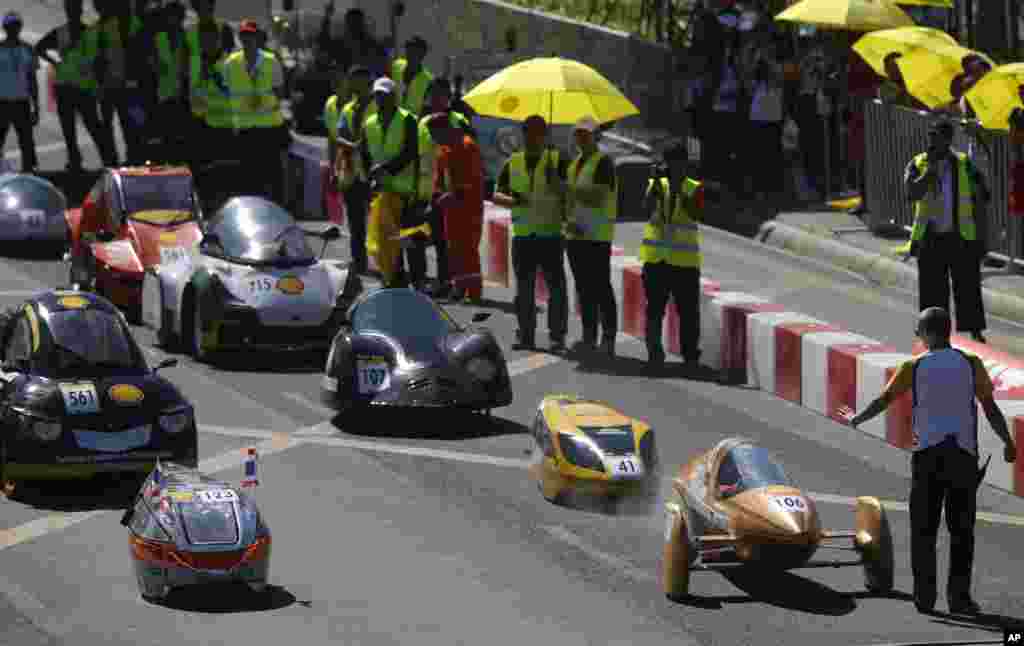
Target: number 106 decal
{"type": "Point", "coordinates": [789, 503]}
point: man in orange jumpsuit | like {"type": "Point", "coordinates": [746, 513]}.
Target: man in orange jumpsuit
{"type": "Point", "coordinates": [459, 193]}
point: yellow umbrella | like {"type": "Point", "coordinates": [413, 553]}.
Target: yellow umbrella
{"type": "Point", "coordinates": [560, 90]}
{"type": "Point", "coordinates": [996, 95]}
{"type": "Point", "coordinates": [928, 72]}
{"type": "Point", "coordinates": [851, 15]}
{"type": "Point", "coordinates": [875, 46]}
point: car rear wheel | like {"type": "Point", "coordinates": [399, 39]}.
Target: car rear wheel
{"type": "Point", "coordinates": [676, 559]}
{"type": "Point", "coordinates": [877, 553]}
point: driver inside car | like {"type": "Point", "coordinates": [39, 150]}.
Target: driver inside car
{"type": "Point", "coordinates": [728, 477]}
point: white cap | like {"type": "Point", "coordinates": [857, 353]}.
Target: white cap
{"type": "Point", "coordinates": [587, 123]}
{"type": "Point", "coordinates": [385, 85]}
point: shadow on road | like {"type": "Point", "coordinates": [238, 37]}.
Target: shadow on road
{"type": "Point", "coordinates": [787, 590]}
{"type": "Point", "coordinates": [45, 251]}
{"type": "Point", "coordinates": [426, 423]}
{"type": "Point", "coordinates": [275, 362]}
{"type": "Point", "coordinates": [984, 621]}
{"type": "Point", "coordinates": [229, 598]}
{"type": "Point", "coordinates": [103, 492]}
{"type": "Point", "coordinates": [633, 367]}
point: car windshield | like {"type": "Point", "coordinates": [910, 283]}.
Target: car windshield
{"type": "Point", "coordinates": [747, 467]}
{"type": "Point", "coordinates": [209, 522]}
{"type": "Point", "coordinates": [612, 440]}
{"type": "Point", "coordinates": [87, 339]}
{"type": "Point", "coordinates": [252, 230]}
{"type": "Point", "coordinates": [158, 199]}
{"type": "Point", "coordinates": [26, 193]}
{"type": "Point", "coordinates": [404, 314]}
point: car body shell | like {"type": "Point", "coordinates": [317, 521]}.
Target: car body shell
{"type": "Point", "coordinates": [620, 458]}
{"type": "Point", "coordinates": [188, 529]}
{"type": "Point", "coordinates": [110, 249]}
{"type": "Point", "coordinates": [31, 210]}
{"type": "Point", "coordinates": [715, 520]}
{"type": "Point", "coordinates": [109, 421]}
{"type": "Point", "coordinates": [385, 367]}
{"type": "Point", "coordinates": [244, 305]}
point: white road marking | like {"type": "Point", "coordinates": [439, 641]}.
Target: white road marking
{"type": "Point", "coordinates": [276, 443]}
{"type": "Point", "coordinates": [308, 403]}
{"type": "Point", "coordinates": [615, 562]}
{"type": "Point", "coordinates": [19, 293]}
{"type": "Point", "coordinates": [531, 363]}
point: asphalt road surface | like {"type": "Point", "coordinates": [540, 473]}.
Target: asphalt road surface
{"type": "Point", "coordinates": [424, 529]}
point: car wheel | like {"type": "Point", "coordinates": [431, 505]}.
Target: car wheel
{"type": "Point", "coordinates": [877, 554]}
{"type": "Point", "coordinates": [193, 328]}
{"type": "Point", "coordinates": [676, 558]}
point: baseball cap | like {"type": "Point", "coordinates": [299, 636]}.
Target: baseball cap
{"type": "Point", "coordinates": [384, 85]}
{"type": "Point", "coordinates": [248, 27]}
{"type": "Point", "coordinates": [12, 18]}
{"type": "Point", "coordinates": [588, 124]}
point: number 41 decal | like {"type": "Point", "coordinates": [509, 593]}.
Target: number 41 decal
{"type": "Point", "coordinates": [627, 466]}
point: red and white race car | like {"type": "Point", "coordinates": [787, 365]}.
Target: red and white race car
{"type": "Point", "coordinates": [132, 219]}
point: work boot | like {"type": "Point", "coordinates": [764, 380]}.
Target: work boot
{"type": "Point", "coordinates": [963, 606]}
{"type": "Point", "coordinates": [558, 345]}
{"type": "Point", "coordinates": [524, 341]}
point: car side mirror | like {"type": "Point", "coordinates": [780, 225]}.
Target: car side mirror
{"type": "Point", "coordinates": [480, 317]}
{"type": "Point", "coordinates": [105, 236]}
{"type": "Point", "coordinates": [166, 363]}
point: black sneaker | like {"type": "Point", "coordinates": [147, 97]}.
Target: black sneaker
{"type": "Point", "coordinates": [524, 342]}
{"type": "Point", "coordinates": [964, 606]}
{"type": "Point", "coordinates": [558, 346]}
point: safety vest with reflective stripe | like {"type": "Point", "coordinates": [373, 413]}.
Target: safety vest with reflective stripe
{"type": "Point", "coordinates": [331, 114]}
{"type": "Point", "coordinates": [209, 96]}
{"type": "Point", "coordinates": [597, 223]}
{"type": "Point", "coordinates": [543, 215]}
{"type": "Point", "coordinates": [933, 204]}
{"type": "Point", "coordinates": [76, 62]}
{"type": "Point", "coordinates": [115, 50]}
{"type": "Point", "coordinates": [253, 102]}
{"type": "Point", "coordinates": [676, 238]}
{"type": "Point", "coordinates": [385, 147]}
{"type": "Point", "coordinates": [169, 62]}
{"type": "Point", "coordinates": [348, 113]}
{"type": "Point", "coordinates": [412, 96]}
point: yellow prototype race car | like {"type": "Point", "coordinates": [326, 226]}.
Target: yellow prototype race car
{"type": "Point", "coordinates": [586, 451]}
{"type": "Point", "coordinates": [734, 505]}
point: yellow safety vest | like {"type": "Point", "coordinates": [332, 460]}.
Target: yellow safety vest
{"type": "Point", "coordinates": [384, 147]}
{"type": "Point", "coordinates": [169, 61]}
{"type": "Point", "coordinates": [209, 100]}
{"type": "Point", "coordinates": [331, 114]}
{"type": "Point", "coordinates": [76, 62]}
{"type": "Point", "coordinates": [412, 96]}
{"type": "Point", "coordinates": [597, 223]}
{"type": "Point", "coordinates": [349, 114]}
{"type": "Point", "coordinates": [676, 238]}
{"type": "Point", "coordinates": [543, 215]}
{"type": "Point", "coordinates": [933, 205]}
{"type": "Point", "coordinates": [253, 102]}
{"type": "Point", "coordinates": [116, 53]}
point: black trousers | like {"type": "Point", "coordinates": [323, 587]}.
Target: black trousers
{"type": "Point", "coordinates": [260, 150]}
{"type": "Point", "coordinates": [766, 164]}
{"type": "Point", "coordinates": [416, 215]}
{"type": "Point", "coordinates": [170, 129]}
{"type": "Point", "coordinates": [130, 106]}
{"type": "Point", "coordinates": [945, 256]}
{"type": "Point", "coordinates": [812, 140]}
{"type": "Point", "coordinates": [530, 253]}
{"type": "Point", "coordinates": [591, 264]}
{"type": "Point", "coordinates": [18, 113]}
{"type": "Point", "coordinates": [942, 475]}
{"type": "Point", "coordinates": [662, 280]}
{"type": "Point", "coordinates": [357, 208]}
{"type": "Point", "coordinates": [413, 215]}
{"type": "Point", "coordinates": [71, 102]}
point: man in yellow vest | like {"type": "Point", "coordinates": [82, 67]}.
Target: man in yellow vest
{"type": "Point", "coordinates": [671, 256]}
{"type": "Point", "coordinates": [590, 229]}
{"type": "Point", "coordinates": [950, 231]}
{"type": "Point", "coordinates": [170, 61]}
{"type": "Point", "coordinates": [352, 174]}
{"type": "Point", "coordinates": [76, 43]}
{"type": "Point", "coordinates": [532, 184]}
{"type": "Point", "coordinates": [390, 150]}
{"type": "Point", "coordinates": [122, 83]}
{"type": "Point", "coordinates": [213, 125]}
{"type": "Point", "coordinates": [332, 110]}
{"type": "Point", "coordinates": [255, 81]}
{"type": "Point", "coordinates": [412, 77]}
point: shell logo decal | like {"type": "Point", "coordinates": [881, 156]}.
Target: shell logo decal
{"type": "Point", "coordinates": [73, 302]}
{"type": "Point", "coordinates": [126, 394]}
{"type": "Point", "coordinates": [291, 285]}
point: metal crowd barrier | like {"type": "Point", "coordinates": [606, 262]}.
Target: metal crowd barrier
{"type": "Point", "coordinates": [894, 135]}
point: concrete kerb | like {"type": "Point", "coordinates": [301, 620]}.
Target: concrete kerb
{"type": "Point", "coordinates": [874, 267]}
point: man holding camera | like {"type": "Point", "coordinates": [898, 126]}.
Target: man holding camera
{"type": "Point", "coordinates": [950, 231]}
{"type": "Point", "coordinates": [670, 253]}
